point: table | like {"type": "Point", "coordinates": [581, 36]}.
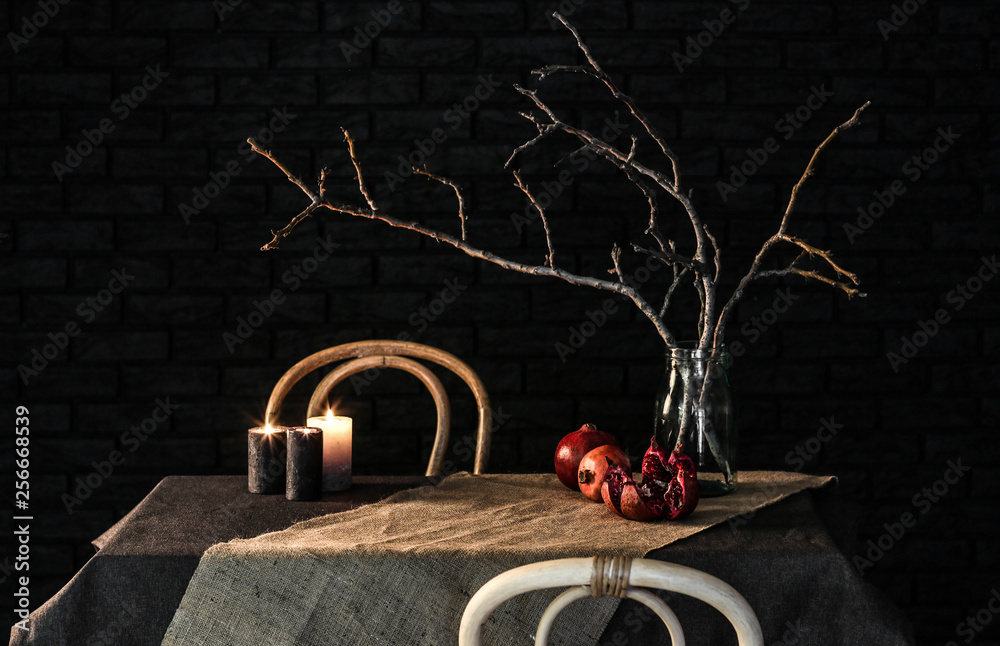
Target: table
{"type": "Point", "coordinates": [788, 561]}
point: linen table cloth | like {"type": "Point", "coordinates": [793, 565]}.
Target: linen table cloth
{"type": "Point", "coordinates": [402, 570]}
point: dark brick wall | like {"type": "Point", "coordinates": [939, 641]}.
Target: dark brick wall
{"type": "Point", "coordinates": [193, 270]}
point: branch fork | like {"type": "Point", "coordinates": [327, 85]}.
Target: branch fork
{"type": "Point", "coordinates": [702, 266]}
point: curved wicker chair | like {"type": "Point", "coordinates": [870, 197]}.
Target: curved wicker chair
{"type": "Point", "coordinates": [609, 576]}
{"type": "Point", "coordinates": [365, 355]}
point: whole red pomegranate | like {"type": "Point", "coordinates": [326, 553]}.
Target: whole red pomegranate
{"type": "Point", "coordinates": [573, 447]}
{"type": "Point", "coordinates": [594, 465]}
{"type": "Point", "coordinates": [669, 487]}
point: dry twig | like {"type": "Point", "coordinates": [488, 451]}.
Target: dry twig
{"type": "Point", "coordinates": [704, 265]}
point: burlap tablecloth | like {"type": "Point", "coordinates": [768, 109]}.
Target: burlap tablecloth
{"type": "Point", "coordinates": [401, 571]}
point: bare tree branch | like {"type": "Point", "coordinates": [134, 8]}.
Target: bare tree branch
{"type": "Point", "coordinates": [288, 228]}
{"type": "Point", "coordinates": [679, 272]}
{"type": "Point", "coordinates": [462, 216]}
{"type": "Point", "coordinates": [357, 168]}
{"type": "Point", "coordinates": [698, 265]}
{"type": "Point", "coordinates": [551, 258]}
{"type": "Point", "coordinates": [291, 178]}
{"type": "Point", "coordinates": [782, 236]}
{"type": "Point", "coordinates": [600, 74]}
{"type": "Point", "coordinates": [794, 271]}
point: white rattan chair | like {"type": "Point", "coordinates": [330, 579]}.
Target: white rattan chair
{"type": "Point", "coordinates": [609, 576]}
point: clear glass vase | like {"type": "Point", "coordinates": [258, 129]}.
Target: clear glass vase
{"type": "Point", "coordinates": [694, 410]}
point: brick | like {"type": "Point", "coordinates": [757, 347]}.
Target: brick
{"type": "Point", "coordinates": [39, 272]}
{"type": "Point", "coordinates": [116, 198]}
{"type": "Point", "coordinates": [161, 380]}
{"type": "Point", "coordinates": [438, 53]}
{"type": "Point", "coordinates": [922, 55]}
{"type": "Point", "coordinates": [59, 88]}
{"type": "Point", "coordinates": [220, 52]}
{"type": "Point", "coordinates": [319, 52]}
{"type": "Point", "coordinates": [64, 382]}
{"type": "Point", "coordinates": [968, 91]}
{"type": "Point", "coordinates": [10, 310]}
{"type": "Point", "coordinates": [181, 88]}
{"type": "Point", "coordinates": [865, 54]}
{"type": "Point", "coordinates": [447, 15]}
{"type": "Point", "coordinates": [159, 15]}
{"type": "Point", "coordinates": [58, 163]}
{"type": "Point", "coordinates": [853, 90]}
{"type": "Point", "coordinates": [423, 270]}
{"type": "Point", "coordinates": [754, 126]}
{"type": "Point", "coordinates": [927, 413]}
{"type": "Point", "coordinates": [93, 16]}
{"type": "Point", "coordinates": [137, 125]}
{"type": "Point", "coordinates": [271, 15]}
{"type": "Point", "coordinates": [108, 52]}
{"type": "Point", "coordinates": [116, 345]}
{"type": "Point", "coordinates": [31, 126]}
{"type": "Point", "coordinates": [203, 272]}
{"type": "Point", "coordinates": [38, 53]}
{"type": "Point", "coordinates": [526, 51]}
{"type": "Point", "coordinates": [686, 17]}
{"type": "Point", "coordinates": [293, 308]}
{"type": "Point", "coordinates": [231, 127]}
{"type": "Point", "coordinates": [129, 162]}
{"type": "Point", "coordinates": [174, 235]}
{"type": "Point", "coordinates": [863, 20]}
{"type": "Point", "coordinates": [611, 14]}
{"type": "Point", "coordinates": [356, 88]}
{"type": "Point", "coordinates": [343, 17]}
{"type": "Point", "coordinates": [969, 18]}
{"type": "Point", "coordinates": [786, 18]}
{"type": "Point", "coordinates": [96, 274]}
{"type": "Point", "coordinates": [81, 236]}
{"type": "Point", "coordinates": [296, 89]}
{"type": "Point", "coordinates": [251, 381]}
{"type": "Point", "coordinates": [680, 90]}
{"type": "Point", "coordinates": [942, 447]}
{"type": "Point", "coordinates": [173, 310]}
{"type": "Point", "coordinates": [167, 452]}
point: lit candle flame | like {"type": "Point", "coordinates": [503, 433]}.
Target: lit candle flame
{"type": "Point", "coordinates": [268, 429]}
{"type": "Point", "coordinates": [329, 415]}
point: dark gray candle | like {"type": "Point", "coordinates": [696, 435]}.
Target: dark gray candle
{"type": "Point", "coordinates": [266, 451]}
{"type": "Point", "coordinates": [304, 472]}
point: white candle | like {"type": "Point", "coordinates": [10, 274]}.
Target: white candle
{"type": "Point", "coordinates": [337, 432]}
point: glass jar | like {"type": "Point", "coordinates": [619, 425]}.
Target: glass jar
{"type": "Point", "coordinates": [694, 411]}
